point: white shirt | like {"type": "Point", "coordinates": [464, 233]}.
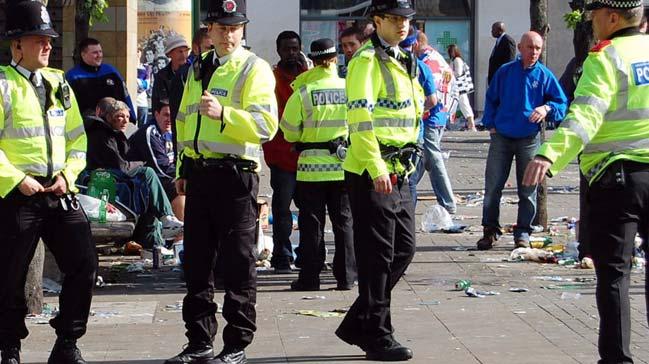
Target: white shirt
{"type": "Point", "coordinates": [385, 44]}
{"type": "Point", "coordinates": [38, 78]}
{"type": "Point", "coordinates": [224, 59]}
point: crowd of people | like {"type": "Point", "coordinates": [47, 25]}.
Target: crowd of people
{"type": "Point", "coordinates": [349, 140]}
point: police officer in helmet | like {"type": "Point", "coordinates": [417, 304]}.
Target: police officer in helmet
{"type": "Point", "coordinates": [608, 123]}
{"type": "Point", "coordinates": [42, 151]}
{"type": "Point", "coordinates": [227, 111]}
{"type": "Point", "coordinates": [383, 110]}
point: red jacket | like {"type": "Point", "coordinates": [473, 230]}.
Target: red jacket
{"type": "Point", "coordinates": [277, 152]}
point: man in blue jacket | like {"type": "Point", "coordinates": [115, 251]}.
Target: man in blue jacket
{"type": "Point", "coordinates": [520, 96]}
{"type": "Point", "coordinates": [92, 80]}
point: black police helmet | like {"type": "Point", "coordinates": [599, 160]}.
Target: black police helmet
{"type": "Point", "coordinates": [393, 7]}
{"type": "Point", "coordinates": [227, 12]}
{"type": "Point", "coordinates": [322, 49]}
{"type": "Point", "coordinates": [28, 18]}
{"type": "Point", "coordinates": [613, 4]}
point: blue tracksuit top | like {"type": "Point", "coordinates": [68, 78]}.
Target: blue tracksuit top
{"type": "Point", "coordinates": [514, 92]}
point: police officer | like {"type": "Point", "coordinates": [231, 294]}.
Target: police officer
{"type": "Point", "coordinates": [383, 108]}
{"type": "Point", "coordinates": [315, 118]}
{"type": "Point", "coordinates": [608, 122]}
{"type": "Point", "coordinates": [227, 111]}
{"type": "Point", "coordinates": [42, 150]}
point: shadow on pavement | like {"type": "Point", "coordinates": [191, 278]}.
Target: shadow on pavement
{"type": "Point", "coordinates": [279, 359]}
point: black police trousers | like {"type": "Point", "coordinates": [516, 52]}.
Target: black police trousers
{"type": "Point", "coordinates": [23, 221]}
{"type": "Point", "coordinates": [314, 199]}
{"type": "Point", "coordinates": [220, 219]}
{"type": "Point", "coordinates": [618, 209]}
{"type": "Point", "coordinates": [384, 243]}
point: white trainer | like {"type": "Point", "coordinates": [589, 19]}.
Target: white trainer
{"type": "Point", "coordinates": [171, 227]}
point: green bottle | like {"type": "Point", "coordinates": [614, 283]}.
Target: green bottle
{"type": "Point", "coordinates": [462, 284]}
{"type": "Point", "coordinates": [102, 181]}
{"type": "Point", "coordinates": [102, 206]}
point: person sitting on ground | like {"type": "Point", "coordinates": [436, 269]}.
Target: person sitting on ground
{"type": "Point", "coordinates": [107, 149]}
{"type": "Point", "coordinates": [153, 145]}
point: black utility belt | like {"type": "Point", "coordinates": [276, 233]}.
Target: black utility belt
{"type": "Point", "coordinates": [219, 163]}
{"type": "Point", "coordinates": [331, 145]}
{"type": "Point", "coordinates": [389, 152]}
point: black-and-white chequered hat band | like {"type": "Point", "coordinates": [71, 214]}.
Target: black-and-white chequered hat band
{"type": "Point", "coordinates": [615, 4]}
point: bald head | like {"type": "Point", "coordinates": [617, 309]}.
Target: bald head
{"type": "Point", "coordinates": [497, 29]}
{"type": "Point", "coordinates": [530, 47]}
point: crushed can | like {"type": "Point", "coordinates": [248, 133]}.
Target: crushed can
{"type": "Point", "coordinates": [462, 284]}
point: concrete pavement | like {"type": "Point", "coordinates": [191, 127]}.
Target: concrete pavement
{"type": "Point", "coordinates": [137, 319]}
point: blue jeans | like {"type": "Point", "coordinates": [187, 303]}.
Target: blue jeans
{"type": "Point", "coordinates": [142, 114]}
{"type": "Point", "coordinates": [433, 162]}
{"type": "Point", "coordinates": [283, 185]}
{"type": "Point", "coordinates": [499, 162]}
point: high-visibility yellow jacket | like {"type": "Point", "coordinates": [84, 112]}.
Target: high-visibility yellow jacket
{"type": "Point", "coordinates": [316, 113]}
{"type": "Point", "coordinates": [384, 106]}
{"type": "Point", "coordinates": [33, 143]}
{"type": "Point", "coordinates": [245, 86]}
{"type": "Point", "coordinates": [609, 118]}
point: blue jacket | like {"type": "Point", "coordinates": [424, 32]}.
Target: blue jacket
{"type": "Point", "coordinates": [515, 92]}
{"type": "Point", "coordinates": [91, 84]}
{"type": "Point", "coordinates": [155, 149]}
{"type": "Point", "coordinates": [427, 81]}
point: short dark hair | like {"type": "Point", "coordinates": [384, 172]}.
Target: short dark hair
{"type": "Point", "coordinates": [288, 34]}
{"type": "Point", "coordinates": [85, 43]}
{"type": "Point", "coordinates": [160, 104]}
{"type": "Point", "coordinates": [353, 31]}
{"type": "Point", "coordinates": [200, 34]}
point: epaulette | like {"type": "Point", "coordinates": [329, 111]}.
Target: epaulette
{"type": "Point", "coordinates": [600, 46]}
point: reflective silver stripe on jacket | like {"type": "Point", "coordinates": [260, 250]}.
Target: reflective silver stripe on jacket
{"type": "Point", "coordinates": [215, 147]}
{"type": "Point", "coordinates": [622, 111]}
{"type": "Point", "coordinates": [337, 167]}
{"type": "Point", "coordinates": [577, 128]}
{"type": "Point", "coordinates": [77, 154]}
{"type": "Point", "coordinates": [192, 108]}
{"type": "Point", "coordinates": [32, 132]}
{"type": "Point", "coordinates": [315, 153]}
{"type": "Point", "coordinates": [38, 169]}
{"type": "Point", "coordinates": [241, 81]}
{"type": "Point", "coordinates": [394, 123]}
{"type": "Point", "coordinates": [306, 103]}
{"type": "Point", "coordinates": [362, 126]}
{"type": "Point", "coordinates": [75, 133]}
{"type": "Point", "coordinates": [324, 123]}
{"type": "Point", "coordinates": [617, 146]}
{"type": "Point", "coordinates": [258, 116]}
{"type": "Point", "coordinates": [600, 105]}
{"type": "Point", "coordinates": [6, 102]}
{"type": "Point", "coordinates": [390, 89]}
{"type": "Point", "coordinates": [286, 125]}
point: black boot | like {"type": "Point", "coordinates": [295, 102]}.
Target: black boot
{"type": "Point", "coordinates": [489, 237]}
{"type": "Point", "coordinates": [65, 351]}
{"type": "Point", "coordinates": [298, 285]}
{"type": "Point", "coordinates": [10, 353]}
{"type": "Point", "coordinates": [193, 353]}
{"type": "Point", "coordinates": [387, 349]}
{"type": "Point", "coordinates": [230, 356]}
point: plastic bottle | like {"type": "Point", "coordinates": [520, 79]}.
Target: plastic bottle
{"type": "Point", "coordinates": [102, 206]}
{"type": "Point", "coordinates": [102, 181]}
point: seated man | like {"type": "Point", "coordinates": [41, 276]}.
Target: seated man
{"type": "Point", "coordinates": [107, 149]}
{"type": "Point", "coordinates": [153, 145]}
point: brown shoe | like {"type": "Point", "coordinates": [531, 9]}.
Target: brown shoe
{"type": "Point", "coordinates": [489, 237]}
{"type": "Point", "coordinates": [521, 243]}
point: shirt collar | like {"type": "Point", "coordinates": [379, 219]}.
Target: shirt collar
{"type": "Point", "coordinates": [386, 45]}
{"type": "Point", "coordinates": [624, 32]}
{"type": "Point", "coordinates": [27, 73]}
{"type": "Point", "coordinates": [224, 59]}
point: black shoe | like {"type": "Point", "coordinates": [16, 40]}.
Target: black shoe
{"type": "Point", "coordinates": [199, 353]}
{"type": "Point", "coordinates": [65, 351]}
{"type": "Point", "coordinates": [350, 339]}
{"type": "Point", "coordinates": [387, 349]}
{"type": "Point", "coordinates": [344, 286]}
{"type": "Point", "coordinates": [489, 237]}
{"type": "Point", "coordinates": [10, 353]}
{"type": "Point", "coordinates": [230, 356]}
{"type": "Point", "coordinates": [298, 285]}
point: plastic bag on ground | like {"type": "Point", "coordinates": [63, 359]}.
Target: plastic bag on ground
{"type": "Point", "coordinates": [91, 206]}
{"type": "Point", "coordinates": [436, 218]}
{"type": "Point", "coordinates": [530, 254]}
